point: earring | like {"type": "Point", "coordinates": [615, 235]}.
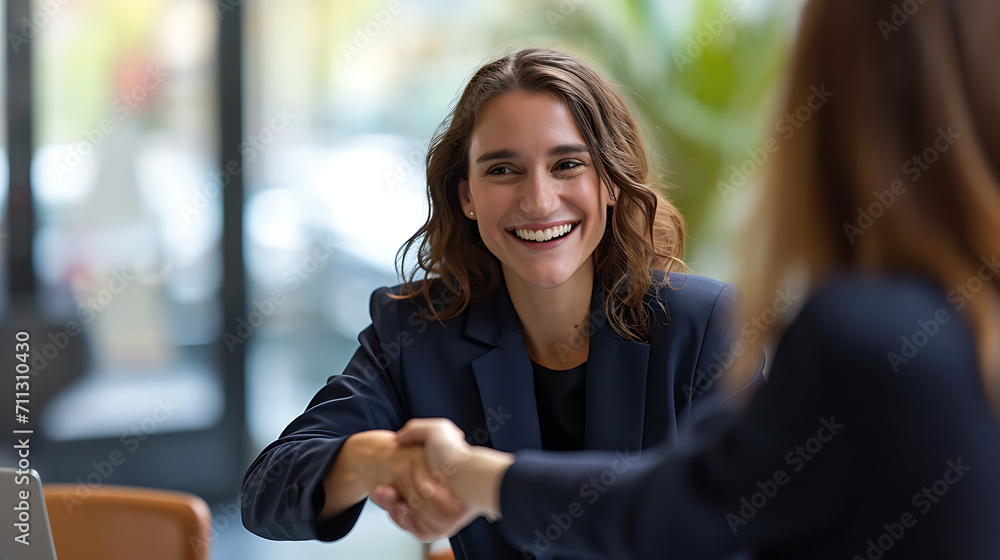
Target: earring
{"type": "Point", "coordinates": [472, 213]}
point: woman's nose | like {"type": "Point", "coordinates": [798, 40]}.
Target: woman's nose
{"type": "Point", "coordinates": [539, 195]}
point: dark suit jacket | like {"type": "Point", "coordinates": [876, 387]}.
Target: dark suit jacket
{"type": "Point", "coordinates": [872, 439]}
{"type": "Point", "coordinates": [477, 373]}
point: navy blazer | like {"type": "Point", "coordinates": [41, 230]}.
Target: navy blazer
{"type": "Point", "coordinates": [871, 440]}
{"type": "Point", "coordinates": [475, 371]}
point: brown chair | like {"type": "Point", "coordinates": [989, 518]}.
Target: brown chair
{"type": "Point", "coordinates": [124, 523]}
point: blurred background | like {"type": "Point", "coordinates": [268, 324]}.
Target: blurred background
{"type": "Point", "coordinates": [199, 196]}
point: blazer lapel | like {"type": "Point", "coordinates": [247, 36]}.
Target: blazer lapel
{"type": "Point", "coordinates": [615, 380]}
{"type": "Point", "coordinates": [616, 387]}
{"type": "Point", "coordinates": [504, 376]}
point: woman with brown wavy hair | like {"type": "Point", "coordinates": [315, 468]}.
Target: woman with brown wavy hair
{"type": "Point", "coordinates": [540, 311]}
{"type": "Point", "coordinates": [876, 435]}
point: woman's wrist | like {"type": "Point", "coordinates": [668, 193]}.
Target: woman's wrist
{"type": "Point", "coordinates": [354, 455]}
{"type": "Point", "coordinates": [346, 484]}
{"type": "Point", "coordinates": [368, 453]}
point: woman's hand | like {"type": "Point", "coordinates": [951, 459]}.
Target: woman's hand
{"type": "Point", "coordinates": [473, 474]}
{"type": "Point", "coordinates": [374, 458]}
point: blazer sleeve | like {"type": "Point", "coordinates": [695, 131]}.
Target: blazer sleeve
{"type": "Point", "coordinates": [283, 488]}
{"type": "Point", "coordinates": [755, 481]}
{"type": "Point", "coordinates": [721, 348]}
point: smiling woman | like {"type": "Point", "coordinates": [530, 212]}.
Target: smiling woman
{"type": "Point", "coordinates": [540, 313]}
{"type": "Point", "coordinates": [542, 211]}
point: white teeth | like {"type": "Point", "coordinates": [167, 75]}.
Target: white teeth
{"type": "Point", "coordinates": [543, 235]}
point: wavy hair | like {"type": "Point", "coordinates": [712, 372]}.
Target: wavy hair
{"type": "Point", "coordinates": [646, 231]}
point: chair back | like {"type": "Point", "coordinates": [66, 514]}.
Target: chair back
{"type": "Point", "coordinates": [126, 523]}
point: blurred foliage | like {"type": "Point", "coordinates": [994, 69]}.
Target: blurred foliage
{"type": "Point", "coordinates": [702, 87]}
{"type": "Point", "coordinates": [77, 56]}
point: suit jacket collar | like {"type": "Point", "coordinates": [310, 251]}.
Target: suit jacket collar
{"type": "Point", "coordinates": [615, 378]}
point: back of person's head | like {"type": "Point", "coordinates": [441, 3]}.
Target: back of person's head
{"type": "Point", "coordinates": [895, 166]}
{"type": "Point", "coordinates": [644, 230]}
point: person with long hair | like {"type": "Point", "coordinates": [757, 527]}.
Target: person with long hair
{"type": "Point", "coordinates": [877, 433]}
{"type": "Point", "coordinates": [546, 308]}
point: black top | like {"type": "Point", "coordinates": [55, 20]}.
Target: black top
{"type": "Point", "coordinates": [872, 439]}
{"type": "Point", "coordinates": [560, 395]}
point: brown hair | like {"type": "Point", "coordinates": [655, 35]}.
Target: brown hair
{"type": "Point", "coordinates": [901, 79]}
{"type": "Point", "coordinates": [645, 230]}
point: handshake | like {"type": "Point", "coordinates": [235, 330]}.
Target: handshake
{"type": "Point", "coordinates": [426, 476]}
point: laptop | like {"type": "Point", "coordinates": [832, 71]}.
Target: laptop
{"type": "Point", "coordinates": [24, 523]}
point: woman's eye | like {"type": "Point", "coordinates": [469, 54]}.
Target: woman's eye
{"type": "Point", "coordinates": [499, 170]}
{"type": "Point", "coordinates": [569, 165]}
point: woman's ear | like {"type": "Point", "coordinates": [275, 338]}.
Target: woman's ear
{"type": "Point", "coordinates": [465, 199]}
{"type": "Point", "coordinates": [613, 193]}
